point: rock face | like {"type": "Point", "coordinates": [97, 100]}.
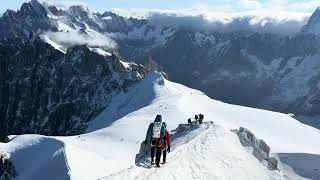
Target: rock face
{"type": "Point", "coordinates": [313, 25]}
{"type": "Point", "coordinates": [259, 147]}
{"type": "Point", "coordinates": [7, 169]}
{"type": "Point", "coordinates": [45, 91]}
{"type": "Point", "coordinates": [31, 18]}
{"type": "Point", "coordinates": [154, 66]}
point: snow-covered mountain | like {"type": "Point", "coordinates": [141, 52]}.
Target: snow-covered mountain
{"type": "Point", "coordinates": [36, 18]}
{"type": "Point", "coordinates": [209, 151]}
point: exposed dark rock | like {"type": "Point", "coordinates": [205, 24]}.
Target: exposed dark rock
{"type": "Point", "coordinates": [45, 91]}
{"type": "Point", "coordinates": [7, 169]}
{"type": "Point", "coordinates": [260, 149]}
{"type": "Point", "coordinates": [154, 66]}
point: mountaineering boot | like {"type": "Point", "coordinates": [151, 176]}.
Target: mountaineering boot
{"type": "Point", "coordinates": [157, 164]}
{"type": "Point", "coordinates": [152, 162]}
{"type": "Point", "coordinates": [164, 161]}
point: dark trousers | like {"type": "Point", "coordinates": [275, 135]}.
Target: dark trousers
{"type": "Point", "coordinates": [164, 154]}
{"type": "Point", "coordinates": [156, 150]}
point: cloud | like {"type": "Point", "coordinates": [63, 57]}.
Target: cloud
{"type": "Point", "coordinates": [304, 6]}
{"type": "Point", "coordinates": [281, 23]}
{"type": "Point", "coordinates": [274, 16]}
{"type": "Point", "coordinates": [64, 4]}
{"type": "Point", "coordinates": [69, 39]}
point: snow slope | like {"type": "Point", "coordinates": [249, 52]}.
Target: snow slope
{"type": "Point", "coordinates": [108, 150]}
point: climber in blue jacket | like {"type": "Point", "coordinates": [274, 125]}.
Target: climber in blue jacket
{"type": "Point", "coordinates": [156, 138]}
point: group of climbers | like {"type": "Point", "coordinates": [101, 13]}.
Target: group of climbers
{"type": "Point", "coordinates": [159, 139]}
{"type": "Point", "coordinates": [198, 118]}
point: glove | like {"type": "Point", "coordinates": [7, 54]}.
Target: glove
{"type": "Point", "coordinates": [145, 142]}
{"type": "Point", "coordinates": [168, 150]}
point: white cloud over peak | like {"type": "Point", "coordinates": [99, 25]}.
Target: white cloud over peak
{"type": "Point", "coordinates": [72, 38]}
{"type": "Point", "coordinates": [64, 4]}
{"type": "Point", "coordinates": [204, 17]}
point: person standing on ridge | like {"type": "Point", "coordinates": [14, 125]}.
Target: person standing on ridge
{"type": "Point", "coordinates": [201, 116]}
{"type": "Point", "coordinates": [155, 137]}
{"type": "Point", "coordinates": [166, 147]}
{"type": "Point", "coordinates": [196, 117]}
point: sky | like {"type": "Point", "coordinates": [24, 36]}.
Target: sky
{"type": "Point", "coordinates": [142, 7]}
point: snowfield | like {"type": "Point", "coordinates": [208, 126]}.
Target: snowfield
{"type": "Point", "coordinates": [108, 149]}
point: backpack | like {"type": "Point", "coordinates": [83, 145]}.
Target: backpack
{"type": "Point", "coordinates": [156, 130]}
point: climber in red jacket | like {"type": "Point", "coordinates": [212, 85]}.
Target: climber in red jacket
{"type": "Point", "coordinates": [166, 147]}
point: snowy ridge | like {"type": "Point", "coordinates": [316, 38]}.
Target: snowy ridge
{"type": "Point", "coordinates": [204, 153]}
{"type": "Point", "coordinates": [215, 151]}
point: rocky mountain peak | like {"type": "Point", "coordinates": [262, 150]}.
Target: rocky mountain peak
{"type": "Point", "coordinates": [79, 10]}
{"type": "Point", "coordinates": [32, 8]}
{"type": "Point", "coordinates": [152, 65]}
{"type": "Point", "coordinates": [313, 25]}
{"type": "Point", "coordinates": [9, 13]}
